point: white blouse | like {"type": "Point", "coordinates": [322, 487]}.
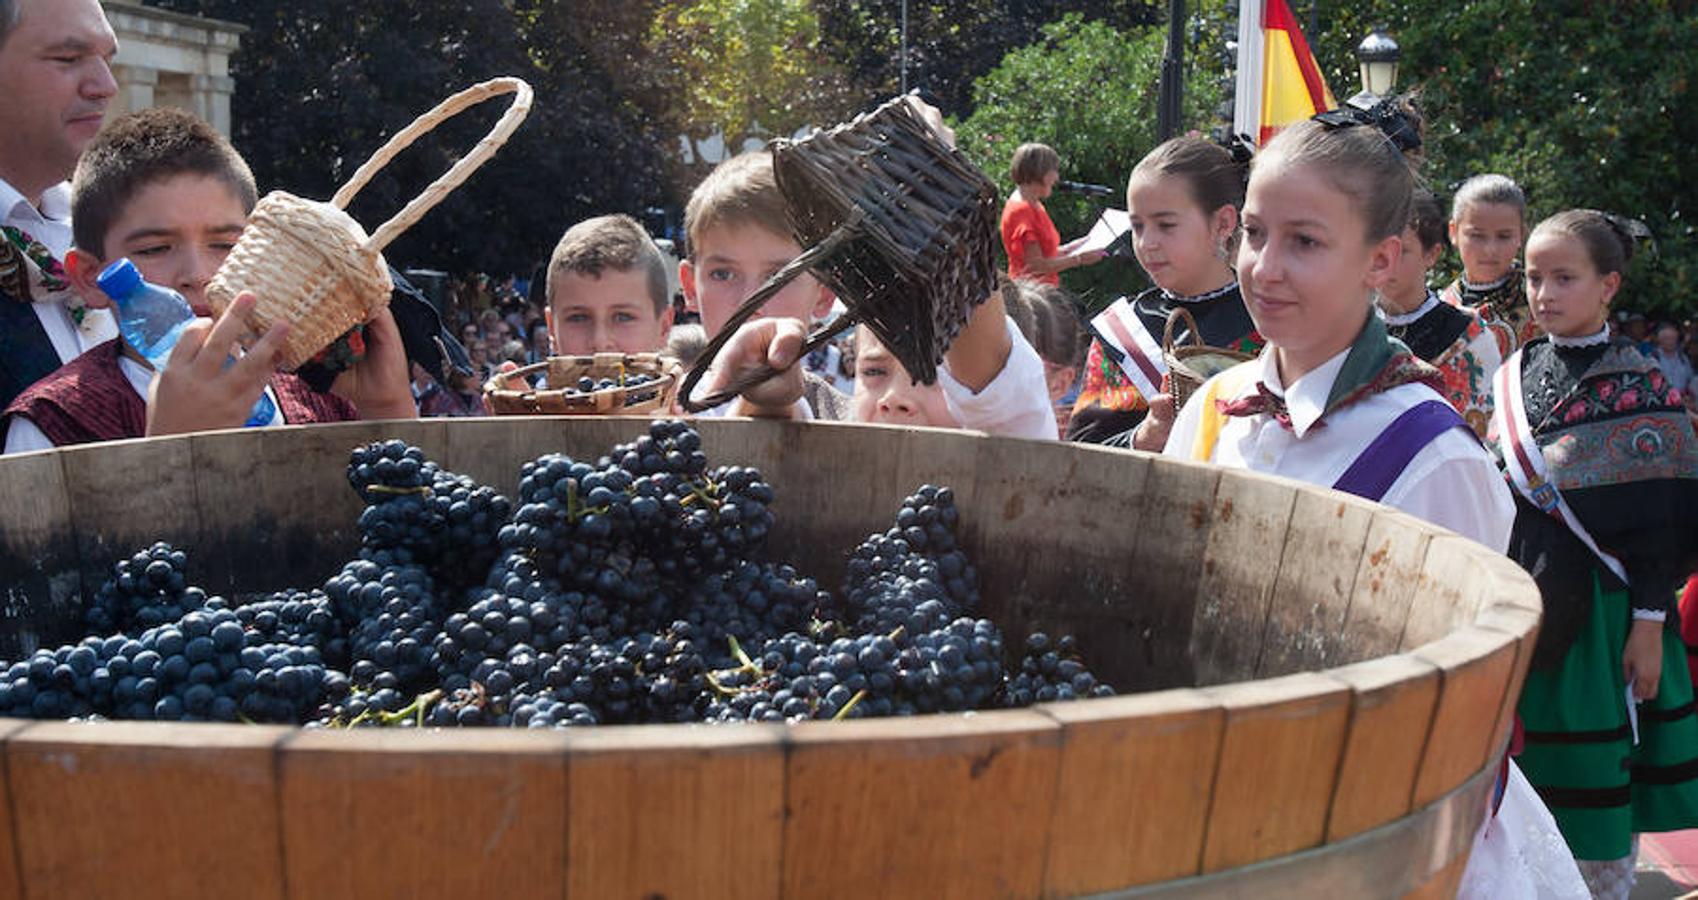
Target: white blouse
{"type": "Point", "coordinates": [1452, 482]}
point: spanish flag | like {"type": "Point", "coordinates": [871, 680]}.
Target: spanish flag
{"type": "Point", "coordinates": [1278, 80]}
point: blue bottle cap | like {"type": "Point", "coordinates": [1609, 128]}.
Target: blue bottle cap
{"type": "Point", "coordinates": [120, 279]}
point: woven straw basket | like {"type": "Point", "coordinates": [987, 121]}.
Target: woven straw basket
{"type": "Point", "coordinates": [1189, 365]}
{"type": "Point", "coordinates": [902, 227]}
{"type": "Point", "coordinates": [509, 395]}
{"type": "Point", "coordinates": [310, 264]}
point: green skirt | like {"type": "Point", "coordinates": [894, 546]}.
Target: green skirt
{"type": "Point", "coordinates": [1580, 754]}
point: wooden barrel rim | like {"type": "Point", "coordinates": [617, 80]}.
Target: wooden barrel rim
{"type": "Point", "coordinates": [1401, 858]}
{"type": "Point", "coordinates": [1452, 658]}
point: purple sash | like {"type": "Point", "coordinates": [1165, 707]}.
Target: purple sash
{"type": "Point", "coordinates": [1380, 465]}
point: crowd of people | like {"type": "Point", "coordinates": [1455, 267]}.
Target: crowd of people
{"type": "Point", "coordinates": [1514, 406]}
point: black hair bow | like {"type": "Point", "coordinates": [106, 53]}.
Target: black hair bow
{"type": "Point", "coordinates": [1388, 115]}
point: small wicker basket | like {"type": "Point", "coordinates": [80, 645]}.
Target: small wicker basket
{"type": "Point", "coordinates": [1191, 364]}
{"type": "Point", "coordinates": [509, 395]}
{"type": "Point", "coordinates": [902, 227]}
{"type": "Point", "coordinates": [310, 264]}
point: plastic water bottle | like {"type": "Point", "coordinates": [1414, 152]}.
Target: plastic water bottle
{"type": "Point", "coordinates": [151, 319]}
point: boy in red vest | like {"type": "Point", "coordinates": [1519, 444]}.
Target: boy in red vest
{"type": "Point", "coordinates": [166, 190]}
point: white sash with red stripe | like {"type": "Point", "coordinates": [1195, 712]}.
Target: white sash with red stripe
{"type": "Point", "coordinates": [1526, 462]}
{"type": "Point", "coordinates": [1140, 352]}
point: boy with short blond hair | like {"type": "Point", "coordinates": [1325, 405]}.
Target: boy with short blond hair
{"type": "Point", "coordinates": [740, 235]}
{"type": "Point", "coordinates": [164, 189]}
{"type": "Point", "coordinates": [607, 289]}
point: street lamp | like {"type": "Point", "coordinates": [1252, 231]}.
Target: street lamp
{"type": "Point", "coordinates": [1378, 55]}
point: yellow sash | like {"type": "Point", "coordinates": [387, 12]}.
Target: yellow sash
{"type": "Point", "coordinates": [1213, 420]}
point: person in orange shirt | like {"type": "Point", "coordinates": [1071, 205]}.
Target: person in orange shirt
{"type": "Point", "coordinates": [1029, 237]}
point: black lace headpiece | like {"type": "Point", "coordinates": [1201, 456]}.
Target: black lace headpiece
{"type": "Point", "coordinates": [1388, 115]}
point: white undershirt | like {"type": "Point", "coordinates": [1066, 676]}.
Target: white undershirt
{"type": "Point", "coordinates": [1452, 482]}
{"type": "Point", "coordinates": [1014, 404]}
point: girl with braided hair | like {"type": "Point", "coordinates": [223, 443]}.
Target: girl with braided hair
{"type": "Point", "coordinates": [1604, 460]}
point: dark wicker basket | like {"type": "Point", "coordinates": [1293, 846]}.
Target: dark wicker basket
{"type": "Point", "coordinates": [902, 227]}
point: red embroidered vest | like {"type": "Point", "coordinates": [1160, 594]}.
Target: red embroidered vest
{"type": "Point", "coordinates": [89, 400]}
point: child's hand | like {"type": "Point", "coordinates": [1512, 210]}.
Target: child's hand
{"type": "Point", "coordinates": [196, 392]}
{"type": "Point", "coordinates": [1090, 257]}
{"type": "Point", "coordinates": [933, 117]}
{"type": "Point", "coordinates": [1642, 658]}
{"type": "Point", "coordinates": [1151, 434]}
{"type": "Point", "coordinates": [763, 342]}
{"type": "Point", "coordinates": [378, 385]}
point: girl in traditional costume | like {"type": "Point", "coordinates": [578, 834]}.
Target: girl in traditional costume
{"type": "Point", "coordinates": [1605, 465]}
{"type": "Point", "coordinates": [1334, 400]}
{"type": "Point", "coordinates": [1488, 221]}
{"type": "Point", "coordinates": [1183, 200]}
{"type": "Point", "coordinates": [1455, 341]}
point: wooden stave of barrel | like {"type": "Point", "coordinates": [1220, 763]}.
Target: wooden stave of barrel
{"type": "Point", "coordinates": [1347, 749]}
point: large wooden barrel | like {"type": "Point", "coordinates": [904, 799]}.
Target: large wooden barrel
{"type": "Point", "coordinates": [1316, 694]}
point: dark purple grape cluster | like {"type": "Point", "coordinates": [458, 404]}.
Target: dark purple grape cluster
{"type": "Point", "coordinates": [586, 385]}
{"type": "Point", "coordinates": [912, 575]}
{"type": "Point", "coordinates": [417, 508]}
{"type": "Point", "coordinates": [204, 667]}
{"type": "Point", "coordinates": [387, 469]}
{"type": "Point", "coordinates": [753, 602]}
{"type": "Point", "coordinates": [148, 589]}
{"type": "Point", "coordinates": [299, 619]}
{"type": "Point", "coordinates": [632, 590]}
{"type": "Point", "coordinates": [955, 668]}
{"type": "Point", "coordinates": [1051, 671]}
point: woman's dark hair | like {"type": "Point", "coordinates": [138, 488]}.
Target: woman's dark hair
{"type": "Point", "coordinates": [1607, 238]}
{"type": "Point", "coordinates": [1032, 162]}
{"type": "Point", "coordinates": [1426, 216]}
{"type": "Point", "coordinates": [1214, 178]}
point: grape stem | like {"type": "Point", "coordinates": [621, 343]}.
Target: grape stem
{"type": "Point", "coordinates": [421, 490]}
{"type": "Point", "coordinates": [737, 651]}
{"type": "Point", "coordinates": [853, 702]}
{"type": "Point", "coordinates": [416, 708]}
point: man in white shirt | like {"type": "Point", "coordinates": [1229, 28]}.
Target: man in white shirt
{"type": "Point", "coordinates": [55, 83]}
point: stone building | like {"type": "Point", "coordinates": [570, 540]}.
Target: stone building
{"type": "Point", "coordinates": [171, 59]}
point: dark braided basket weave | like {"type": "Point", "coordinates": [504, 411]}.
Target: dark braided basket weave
{"type": "Point", "coordinates": [902, 227]}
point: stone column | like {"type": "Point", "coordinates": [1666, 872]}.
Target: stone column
{"type": "Point", "coordinates": [135, 89]}
{"type": "Point", "coordinates": [171, 58]}
{"type": "Point", "coordinates": [212, 95]}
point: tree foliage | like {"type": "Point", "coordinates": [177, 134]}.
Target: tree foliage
{"type": "Point", "coordinates": [1583, 103]}
{"type": "Point", "coordinates": [1088, 90]}
{"type": "Point", "coordinates": [746, 67]}
{"type": "Point", "coordinates": [951, 43]}
{"type": "Point", "coordinates": [321, 84]}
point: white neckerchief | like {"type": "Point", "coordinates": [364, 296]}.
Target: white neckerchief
{"type": "Point", "coordinates": [1410, 318]}
{"type": "Point", "coordinates": [1489, 286]}
{"type": "Point", "coordinates": [1204, 297]}
{"type": "Point", "coordinates": [1601, 336]}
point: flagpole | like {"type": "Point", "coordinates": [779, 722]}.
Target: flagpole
{"type": "Point", "coordinates": [904, 46]}
{"type": "Point", "coordinates": [1170, 98]}
{"type": "Point", "coordinates": [1247, 94]}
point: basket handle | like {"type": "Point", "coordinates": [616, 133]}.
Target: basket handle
{"type": "Point", "coordinates": [454, 177]}
{"type": "Point", "coordinates": [850, 227]}
{"type": "Point", "coordinates": [1180, 312]}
